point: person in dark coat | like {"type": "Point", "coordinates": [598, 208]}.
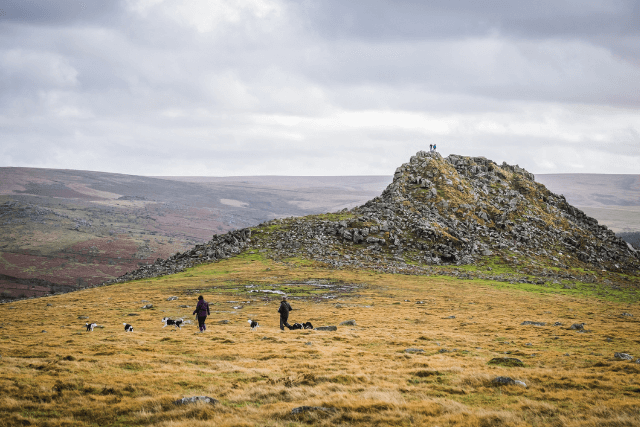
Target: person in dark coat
{"type": "Point", "coordinates": [202, 310]}
{"type": "Point", "coordinates": [284, 310]}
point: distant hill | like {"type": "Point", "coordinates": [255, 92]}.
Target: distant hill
{"type": "Point", "coordinates": [64, 229]}
{"type": "Point", "coordinates": [614, 200]}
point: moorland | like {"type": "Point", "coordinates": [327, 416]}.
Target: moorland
{"type": "Point", "coordinates": [518, 311]}
{"type": "Point", "coordinates": [420, 350]}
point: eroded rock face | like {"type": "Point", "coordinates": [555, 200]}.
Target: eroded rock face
{"type": "Point", "coordinates": [454, 210]}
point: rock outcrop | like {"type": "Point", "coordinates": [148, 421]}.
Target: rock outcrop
{"type": "Point", "coordinates": [437, 211]}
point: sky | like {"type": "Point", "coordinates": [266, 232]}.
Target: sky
{"type": "Point", "coordinates": [325, 87]}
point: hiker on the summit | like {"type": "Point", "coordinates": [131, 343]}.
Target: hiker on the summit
{"type": "Point", "coordinates": [434, 147]}
{"type": "Point", "coordinates": [430, 147]}
{"type": "Point", "coordinates": [202, 310]}
{"type": "Point", "coordinates": [284, 310]}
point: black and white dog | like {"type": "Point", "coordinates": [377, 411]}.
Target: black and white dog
{"type": "Point", "coordinates": [169, 322]}
{"type": "Point", "coordinates": [253, 324]}
{"type": "Point", "coordinates": [128, 327]}
{"type": "Point", "coordinates": [307, 325]}
{"type": "Point", "coordinates": [90, 326]}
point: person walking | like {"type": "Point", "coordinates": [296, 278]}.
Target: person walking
{"type": "Point", "coordinates": [284, 310]}
{"type": "Point", "coordinates": [434, 147]}
{"type": "Point", "coordinates": [202, 310]}
{"type": "Point", "coordinates": [430, 147]}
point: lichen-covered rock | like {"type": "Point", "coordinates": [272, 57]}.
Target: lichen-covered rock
{"type": "Point", "coordinates": [508, 381]}
{"type": "Point", "coordinates": [623, 356]}
{"type": "Point", "coordinates": [196, 399]}
{"type": "Point", "coordinates": [326, 328]}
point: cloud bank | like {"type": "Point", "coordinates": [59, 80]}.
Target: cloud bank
{"type": "Point", "coordinates": [275, 87]}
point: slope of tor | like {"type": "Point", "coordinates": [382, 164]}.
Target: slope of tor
{"type": "Point", "coordinates": [437, 211]}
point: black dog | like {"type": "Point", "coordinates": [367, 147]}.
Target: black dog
{"type": "Point", "coordinates": [128, 327]}
{"type": "Point", "coordinates": [296, 326]}
{"type": "Point", "coordinates": [90, 326]}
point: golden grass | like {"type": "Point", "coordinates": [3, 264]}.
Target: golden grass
{"type": "Point", "coordinates": [67, 377]}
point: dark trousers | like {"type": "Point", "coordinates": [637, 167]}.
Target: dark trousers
{"type": "Point", "coordinates": [283, 322]}
{"type": "Point", "coordinates": [201, 320]}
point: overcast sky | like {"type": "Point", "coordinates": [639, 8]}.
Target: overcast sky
{"type": "Point", "coordinates": [344, 87]}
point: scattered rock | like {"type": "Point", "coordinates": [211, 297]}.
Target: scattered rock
{"type": "Point", "coordinates": [326, 328]}
{"type": "Point", "coordinates": [336, 306]}
{"type": "Point", "coordinates": [301, 409]}
{"type": "Point", "coordinates": [506, 361]}
{"type": "Point", "coordinates": [173, 298]}
{"type": "Point", "coordinates": [351, 322]}
{"type": "Point", "coordinates": [577, 326]}
{"type": "Point", "coordinates": [623, 356]}
{"type": "Point", "coordinates": [223, 322]}
{"type": "Point", "coordinates": [308, 343]}
{"type": "Point", "coordinates": [414, 350]}
{"type": "Point", "coordinates": [195, 399]}
{"type": "Point", "coordinates": [44, 332]}
{"type": "Point", "coordinates": [184, 306]}
{"type": "Point", "coordinates": [133, 314]}
{"type": "Point", "coordinates": [49, 305]}
{"type": "Point", "coordinates": [83, 317]}
{"type": "Point", "coordinates": [557, 324]}
{"type": "Point", "coordinates": [508, 381]}
{"type": "Point", "coordinates": [528, 322]}
{"type": "Point", "coordinates": [627, 314]}
{"type": "Point", "coordinates": [147, 306]}
{"type": "Point", "coordinates": [450, 317]}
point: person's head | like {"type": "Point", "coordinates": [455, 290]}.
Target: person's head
{"type": "Point", "coordinates": [200, 298]}
{"type": "Point", "coordinates": [284, 298]}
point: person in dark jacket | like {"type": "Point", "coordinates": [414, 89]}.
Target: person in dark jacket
{"type": "Point", "coordinates": [202, 310]}
{"type": "Point", "coordinates": [284, 310]}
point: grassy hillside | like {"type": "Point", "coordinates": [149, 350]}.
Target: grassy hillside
{"type": "Point", "coordinates": [56, 374]}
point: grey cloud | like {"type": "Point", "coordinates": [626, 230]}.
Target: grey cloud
{"type": "Point", "coordinates": [59, 12]}
{"type": "Point", "coordinates": [416, 19]}
{"type": "Point", "coordinates": [323, 88]}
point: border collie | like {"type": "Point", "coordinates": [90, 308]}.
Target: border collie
{"type": "Point", "coordinates": [168, 322]}
{"type": "Point", "coordinates": [128, 327]}
{"type": "Point", "coordinates": [296, 326]}
{"type": "Point", "coordinates": [253, 324]}
{"type": "Point", "coordinates": [90, 326]}
{"type": "Point", "coordinates": [307, 325]}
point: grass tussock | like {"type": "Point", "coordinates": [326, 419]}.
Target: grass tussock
{"type": "Point", "coordinates": [403, 363]}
